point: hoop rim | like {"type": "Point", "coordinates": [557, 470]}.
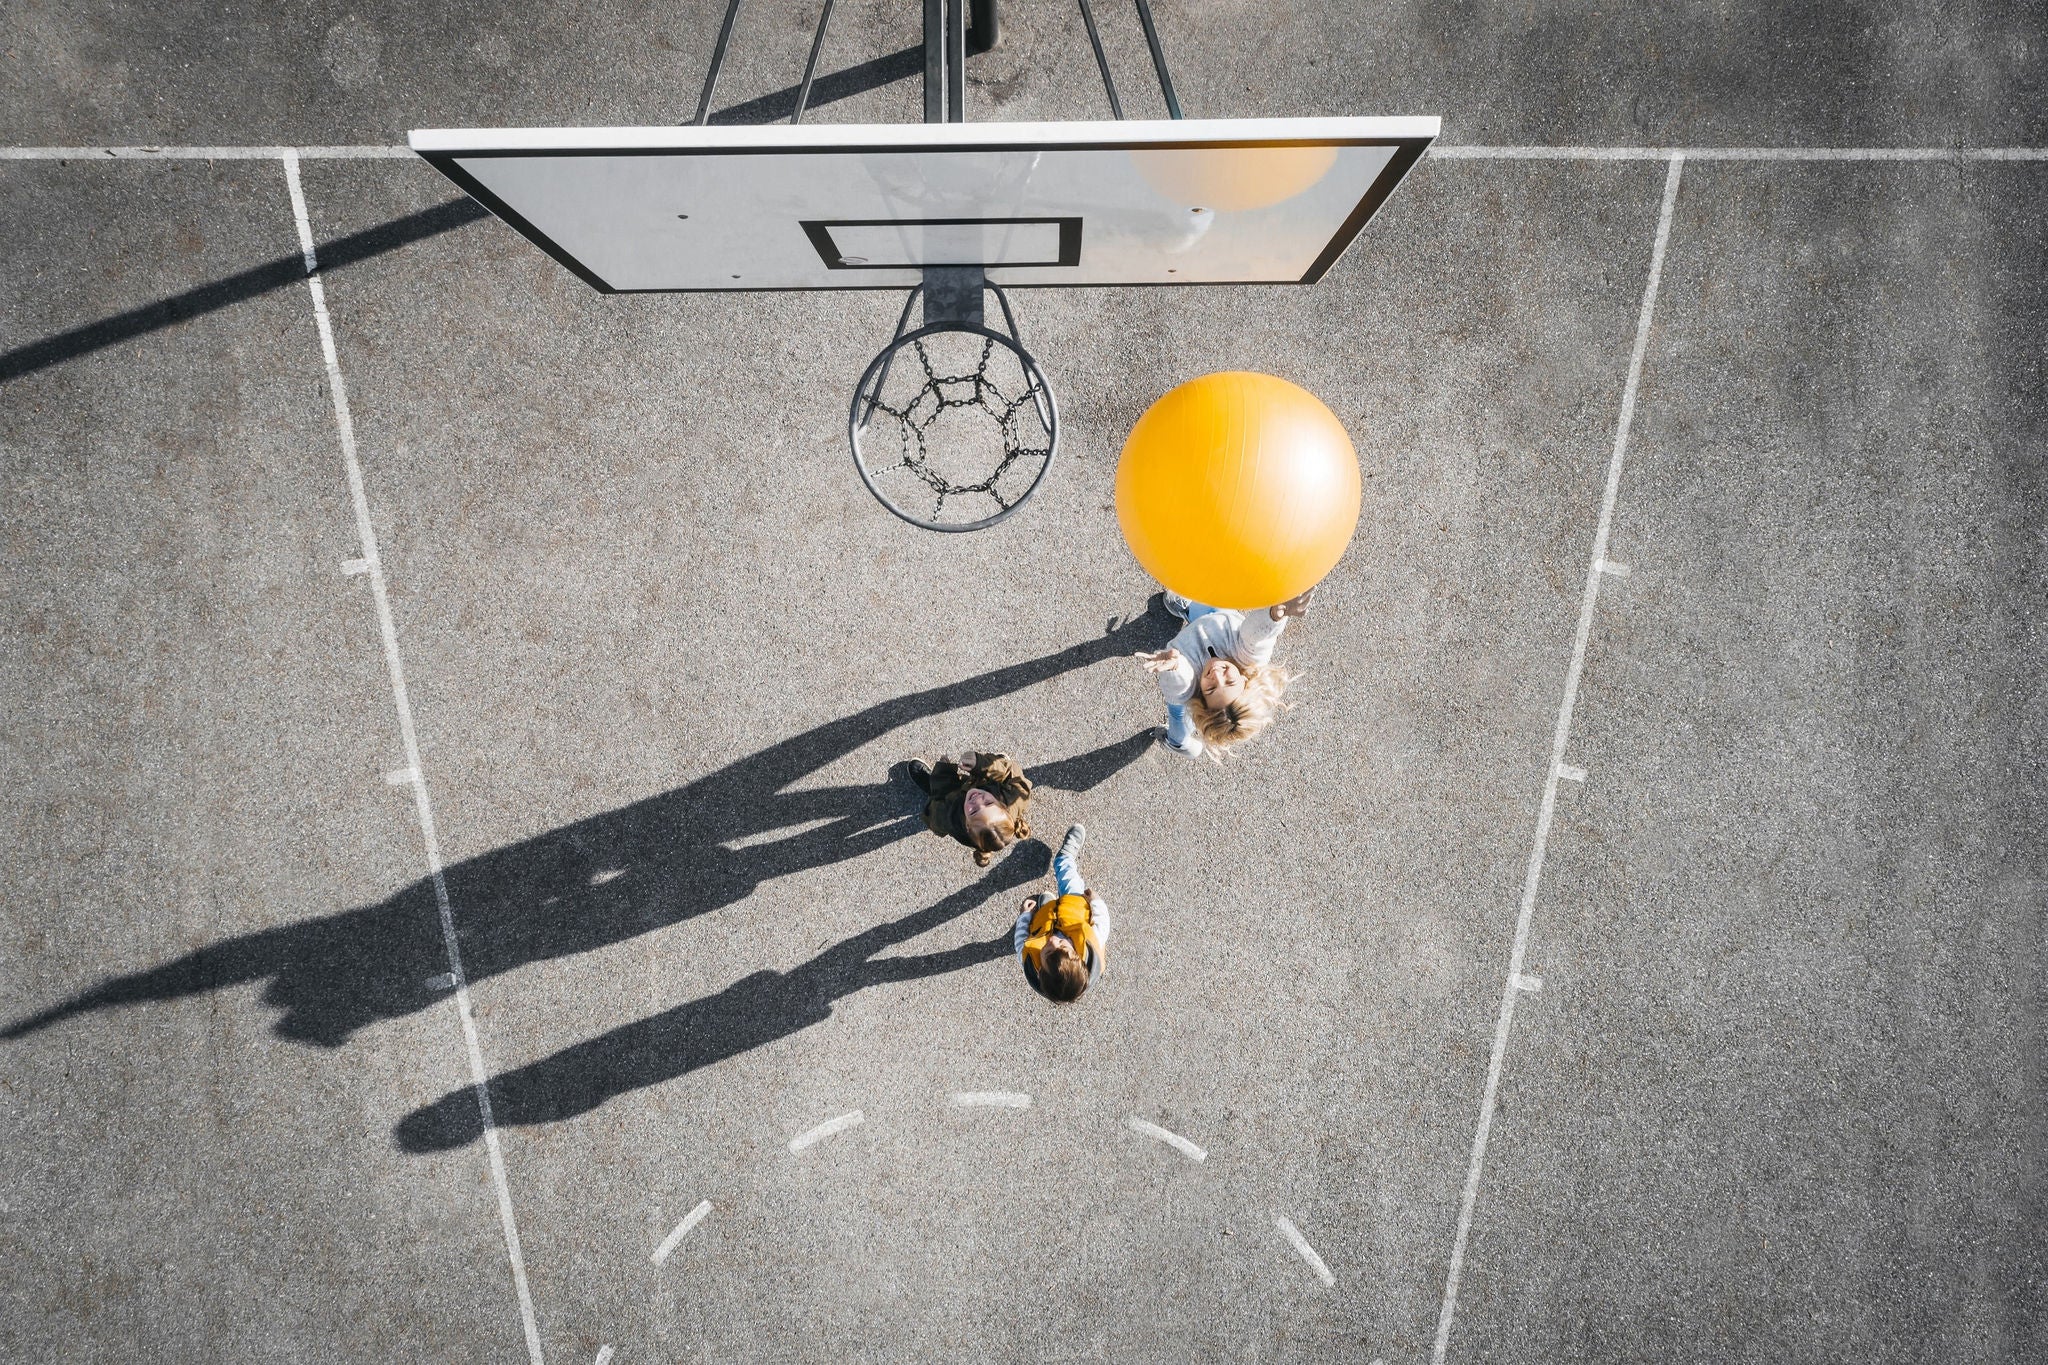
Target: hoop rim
{"type": "Point", "coordinates": [1048, 409]}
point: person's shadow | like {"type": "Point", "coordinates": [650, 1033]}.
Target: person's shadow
{"type": "Point", "coordinates": [754, 1010]}
{"type": "Point", "coordinates": [605, 879]}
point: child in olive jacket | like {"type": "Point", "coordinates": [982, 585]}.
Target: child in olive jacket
{"type": "Point", "coordinates": [980, 799]}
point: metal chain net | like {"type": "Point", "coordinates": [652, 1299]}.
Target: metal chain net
{"type": "Point", "coordinates": [966, 424]}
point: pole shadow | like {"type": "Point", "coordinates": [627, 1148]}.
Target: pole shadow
{"type": "Point", "coordinates": [858, 79]}
{"type": "Point", "coordinates": [754, 1010]}
{"type": "Point", "coordinates": [222, 293]}
{"type": "Point", "coordinates": [605, 879]}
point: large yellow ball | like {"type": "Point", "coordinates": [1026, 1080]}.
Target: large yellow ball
{"type": "Point", "coordinates": [1238, 490]}
{"type": "Point", "coordinates": [1234, 181]}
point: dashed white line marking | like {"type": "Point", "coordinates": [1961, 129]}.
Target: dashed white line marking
{"type": "Point", "coordinates": [1611, 569]}
{"type": "Point", "coordinates": [1173, 1140]}
{"type": "Point", "coordinates": [604, 1354]}
{"type": "Point", "coordinates": [1304, 1250]}
{"type": "Point", "coordinates": [1559, 738]}
{"type": "Point", "coordinates": [366, 534]}
{"type": "Point", "coordinates": [1523, 981]}
{"type": "Point", "coordinates": [992, 1099]}
{"type": "Point", "coordinates": [355, 568]}
{"type": "Point", "coordinates": [1567, 773]}
{"type": "Point", "coordinates": [444, 982]}
{"type": "Point", "coordinates": [682, 1230]}
{"type": "Point", "coordinates": [402, 777]}
{"type": "Point", "coordinates": [827, 1129]}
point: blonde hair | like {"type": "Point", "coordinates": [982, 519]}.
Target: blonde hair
{"type": "Point", "coordinates": [1222, 726]}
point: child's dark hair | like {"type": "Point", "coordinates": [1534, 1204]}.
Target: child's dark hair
{"type": "Point", "coordinates": [1062, 975]}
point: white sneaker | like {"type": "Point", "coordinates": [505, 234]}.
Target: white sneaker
{"type": "Point", "coordinates": [1176, 605]}
{"type": "Point", "coordinates": [1070, 847]}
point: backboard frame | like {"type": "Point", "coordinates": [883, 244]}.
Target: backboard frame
{"type": "Point", "coordinates": [1407, 138]}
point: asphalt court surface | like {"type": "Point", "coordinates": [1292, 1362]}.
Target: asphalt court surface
{"type": "Point", "coordinates": [1776, 1095]}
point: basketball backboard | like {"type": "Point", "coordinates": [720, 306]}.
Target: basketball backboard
{"type": "Point", "coordinates": [1218, 201]}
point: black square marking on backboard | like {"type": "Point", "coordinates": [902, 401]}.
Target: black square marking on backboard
{"type": "Point", "coordinates": [819, 230]}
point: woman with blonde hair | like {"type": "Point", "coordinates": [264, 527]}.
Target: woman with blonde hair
{"type": "Point", "coordinates": [1218, 676]}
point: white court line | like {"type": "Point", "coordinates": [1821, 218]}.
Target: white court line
{"type": "Point", "coordinates": [379, 152]}
{"type": "Point", "coordinates": [1523, 981]}
{"type": "Point", "coordinates": [994, 1099]}
{"type": "Point", "coordinates": [366, 531]}
{"type": "Point", "coordinates": [1587, 601]}
{"type": "Point", "coordinates": [682, 1230]}
{"type": "Point", "coordinates": [1567, 773]}
{"type": "Point", "coordinates": [827, 1129]}
{"type": "Point", "coordinates": [402, 777]}
{"type": "Point", "coordinates": [1306, 1252]}
{"type": "Point", "coordinates": [248, 153]}
{"type": "Point", "coordinates": [1173, 1140]}
{"type": "Point", "coordinates": [1483, 153]}
{"type": "Point", "coordinates": [1611, 569]}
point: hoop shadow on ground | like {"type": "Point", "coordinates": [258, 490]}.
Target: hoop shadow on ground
{"type": "Point", "coordinates": [754, 1010]}
{"type": "Point", "coordinates": [608, 878]}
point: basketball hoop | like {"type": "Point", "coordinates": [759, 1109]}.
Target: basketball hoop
{"type": "Point", "coordinates": [953, 425]}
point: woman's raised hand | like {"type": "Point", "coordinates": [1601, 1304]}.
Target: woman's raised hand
{"type": "Point", "coordinates": [1159, 660]}
{"type": "Point", "coordinates": [1293, 606]}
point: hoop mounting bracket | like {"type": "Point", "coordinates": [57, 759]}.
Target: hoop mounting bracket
{"type": "Point", "coordinates": [952, 294]}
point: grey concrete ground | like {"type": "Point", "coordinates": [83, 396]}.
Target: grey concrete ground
{"type": "Point", "coordinates": [1779, 1094]}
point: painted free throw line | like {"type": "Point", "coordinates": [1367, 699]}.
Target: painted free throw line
{"type": "Point", "coordinates": [423, 808]}
{"type": "Point", "coordinates": [681, 1230]}
{"type": "Point", "coordinates": [1303, 1249]}
{"type": "Point", "coordinates": [827, 1129]}
{"type": "Point", "coordinates": [1513, 987]}
{"type": "Point", "coordinates": [992, 1099]}
{"type": "Point", "coordinates": [1171, 1139]}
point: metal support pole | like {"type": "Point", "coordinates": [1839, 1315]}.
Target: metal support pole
{"type": "Point", "coordinates": [803, 92]}
{"type": "Point", "coordinates": [1095, 40]}
{"type": "Point", "coordinates": [983, 31]}
{"type": "Point", "coordinates": [732, 12]}
{"type": "Point", "coordinates": [934, 61]}
{"type": "Point", "coordinates": [1158, 59]}
{"type": "Point", "coordinates": [956, 61]}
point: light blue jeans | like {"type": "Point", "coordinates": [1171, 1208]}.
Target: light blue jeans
{"type": "Point", "coordinates": [1179, 729]}
{"type": "Point", "coordinates": [1066, 871]}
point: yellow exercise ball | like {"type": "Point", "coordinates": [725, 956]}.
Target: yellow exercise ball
{"type": "Point", "coordinates": [1234, 181]}
{"type": "Point", "coordinates": [1238, 490]}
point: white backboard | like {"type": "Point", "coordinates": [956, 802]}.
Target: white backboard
{"type": "Point", "coordinates": [849, 206]}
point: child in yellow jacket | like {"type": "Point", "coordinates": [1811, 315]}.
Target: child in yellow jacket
{"type": "Point", "coordinates": [1061, 939]}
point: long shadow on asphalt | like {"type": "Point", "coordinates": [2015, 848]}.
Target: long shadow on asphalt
{"type": "Point", "coordinates": [872, 74]}
{"type": "Point", "coordinates": [207, 298]}
{"type": "Point", "coordinates": [609, 878]}
{"type": "Point", "coordinates": [752, 1011]}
